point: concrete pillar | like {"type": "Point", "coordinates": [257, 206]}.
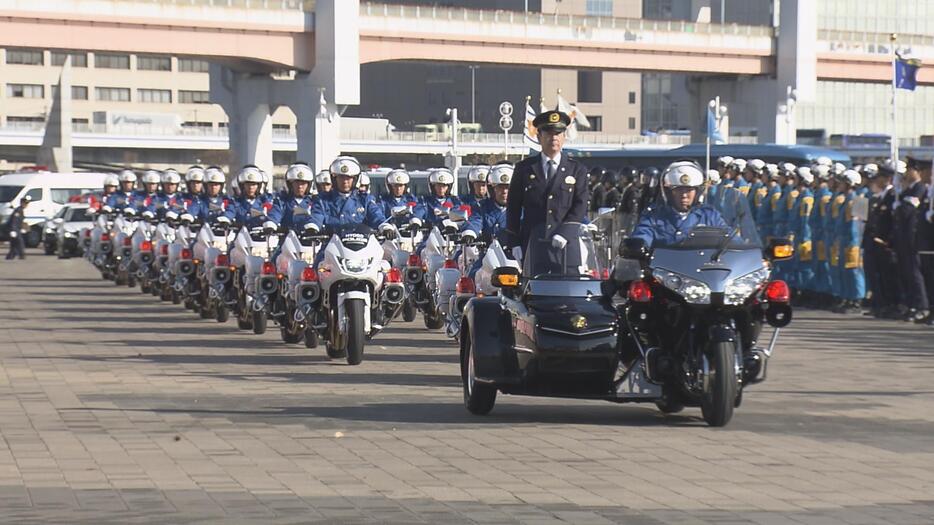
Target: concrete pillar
{"type": "Point", "coordinates": [700, 11]}
{"type": "Point", "coordinates": [318, 127]}
{"type": "Point", "coordinates": [55, 151]}
{"type": "Point", "coordinates": [246, 100]}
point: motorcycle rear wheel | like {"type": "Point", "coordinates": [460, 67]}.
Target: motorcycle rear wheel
{"type": "Point", "coordinates": [718, 400]}
{"type": "Point", "coordinates": [311, 338]}
{"type": "Point", "coordinates": [221, 313]}
{"type": "Point", "coordinates": [433, 321]}
{"type": "Point", "coordinates": [259, 322]}
{"type": "Point", "coordinates": [408, 312]}
{"type": "Point", "coordinates": [356, 336]}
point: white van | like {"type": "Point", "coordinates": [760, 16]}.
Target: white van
{"type": "Point", "coordinates": [49, 192]}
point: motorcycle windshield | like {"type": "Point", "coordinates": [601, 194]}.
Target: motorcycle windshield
{"type": "Point", "coordinates": [739, 232]}
{"type": "Point", "coordinates": [353, 236]}
{"type": "Point", "coordinates": [576, 261]}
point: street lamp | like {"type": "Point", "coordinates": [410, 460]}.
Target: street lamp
{"type": "Point", "coordinates": [473, 94]}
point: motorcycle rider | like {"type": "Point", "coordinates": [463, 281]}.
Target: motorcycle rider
{"type": "Point", "coordinates": [214, 202]}
{"type": "Point", "coordinates": [477, 180]}
{"type": "Point", "coordinates": [397, 182]}
{"type": "Point", "coordinates": [142, 198]}
{"type": "Point", "coordinates": [363, 187]}
{"type": "Point", "coordinates": [323, 182]}
{"type": "Point", "coordinates": [167, 197]}
{"type": "Point", "coordinates": [682, 184]}
{"type": "Point", "coordinates": [490, 219]}
{"type": "Point", "coordinates": [251, 207]}
{"type": "Point", "coordinates": [123, 197]}
{"type": "Point", "coordinates": [431, 208]}
{"type": "Point", "coordinates": [298, 179]}
{"type": "Point", "coordinates": [344, 205]}
{"type": "Point", "coordinates": [194, 184]}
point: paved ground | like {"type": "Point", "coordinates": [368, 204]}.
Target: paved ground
{"type": "Point", "coordinates": [116, 408]}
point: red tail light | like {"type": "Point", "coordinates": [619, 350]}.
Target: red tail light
{"type": "Point", "coordinates": [87, 233]}
{"type": "Point", "coordinates": [450, 263]}
{"type": "Point", "coordinates": [777, 292]}
{"type": "Point", "coordinates": [105, 236]}
{"type": "Point", "coordinates": [415, 260]}
{"type": "Point", "coordinates": [186, 253]}
{"type": "Point", "coordinates": [145, 246]}
{"type": "Point", "coordinates": [221, 260]}
{"type": "Point", "coordinates": [127, 241]}
{"type": "Point", "coordinates": [269, 268]}
{"type": "Point", "coordinates": [164, 250]}
{"type": "Point", "coordinates": [605, 274]}
{"type": "Point", "coordinates": [466, 285]}
{"type": "Point", "coordinates": [309, 274]}
{"type": "Point", "coordinates": [640, 291]}
{"type": "Point", "coordinates": [393, 276]}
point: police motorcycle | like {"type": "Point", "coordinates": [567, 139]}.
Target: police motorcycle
{"type": "Point", "coordinates": [696, 305]}
{"type": "Point", "coordinates": [360, 291]}
{"type": "Point", "coordinates": [124, 226]}
{"type": "Point", "coordinates": [212, 246]}
{"type": "Point", "coordinates": [183, 265]}
{"type": "Point", "coordinates": [398, 207]}
{"type": "Point", "coordinates": [144, 253]}
{"type": "Point", "coordinates": [100, 248]}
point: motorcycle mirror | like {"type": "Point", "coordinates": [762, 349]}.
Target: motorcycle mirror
{"type": "Point", "coordinates": [399, 211]}
{"type": "Point", "coordinates": [604, 212]}
{"type": "Point", "coordinates": [458, 215]}
{"type": "Point", "coordinates": [505, 277]}
{"type": "Point", "coordinates": [779, 250]}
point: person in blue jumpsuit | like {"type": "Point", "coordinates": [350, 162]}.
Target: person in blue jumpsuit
{"type": "Point", "coordinates": [123, 197]}
{"type": "Point", "coordinates": [819, 219]}
{"type": "Point", "coordinates": [477, 181]}
{"type": "Point", "coordinates": [432, 208]}
{"type": "Point", "coordinates": [682, 184]}
{"type": "Point", "coordinates": [397, 186]}
{"type": "Point", "coordinates": [737, 169]}
{"type": "Point", "coordinates": [142, 198]}
{"type": "Point", "coordinates": [363, 187]}
{"type": "Point", "coordinates": [799, 221]}
{"type": "Point", "coordinates": [490, 218]}
{"type": "Point", "coordinates": [295, 201]}
{"type": "Point", "coordinates": [214, 203]}
{"type": "Point", "coordinates": [852, 279]}
{"type": "Point", "coordinates": [167, 198]}
{"type": "Point", "coordinates": [344, 205]}
{"type": "Point", "coordinates": [781, 216]}
{"type": "Point", "coordinates": [755, 176]}
{"type": "Point", "coordinates": [832, 229]}
{"type": "Point", "coordinates": [251, 208]}
{"type": "Point", "coordinates": [713, 187]}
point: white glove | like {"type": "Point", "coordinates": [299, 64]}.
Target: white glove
{"type": "Point", "coordinates": [388, 230]}
{"type": "Point", "coordinates": [591, 227]}
{"type": "Point", "coordinates": [187, 217]}
{"type": "Point", "coordinates": [171, 215]}
{"type": "Point", "coordinates": [106, 209]}
{"type": "Point", "coordinates": [914, 201]}
{"type": "Point", "coordinates": [558, 242]}
{"type": "Point", "coordinates": [416, 222]}
{"type": "Point", "coordinates": [448, 223]}
{"type": "Point", "coordinates": [270, 226]}
{"type": "Point", "coordinates": [469, 234]}
{"type": "Point", "coordinates": [311, 227]}
{"type": "Point", "coordinates": [929, 215]}
{"type": "Point", "coordinates": [223, 219]}
{"type": "Point", "coordinates": [517, 253]}
{"type": "Point", "coordinates": [148, 214]}
{"type": "Point", "coordinates": [14, 234]}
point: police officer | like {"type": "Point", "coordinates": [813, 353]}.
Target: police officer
{"type": "Point", "coordinates": [123, 197]}
{"type": "Point", "coordinates": [194, 186]}
{"type": "Point", "coordinates": [16, 226]}
{"type": "Point", "coordinates": [490, 218]}
{"type": "Point", "coordinates": [363, 187]}
{"type": "Point", "coordinates": [431, 208]}
{"type": "Point", "coordinates": [548, 191]}
{"type": "Point", "coordinates": [613, 196]}
{"type": "Point", "coordinates": [799, 226]}
{"type": "Point", "coordinates": [852, 279]}
{"type": "Point", "coordinates": [880, 266]}
{"type": "Point", "coordinates": [737, 169]}
{"type": "Point", "coordinates": [250, 209]}
{"type": "Point", "coordinates": [143, 198]}
{"type": "Point", "coordinates": [713, 186]}
{"type": "Point", "coordinates": [167, 198]}
{"type": "Point", "coordinates": [295, 199]}
{"type": "Point", "coordinates": [682, 185]}
{"type": "Point", "coordinates": [323, 182]}
{"type": "Point", "coordinates": [477, 180]}
{"type": "Point", "coordinates": [344, 205]}
{"type": "Point", "coordinates": [819, 220]}
{"type": "Point", "coordinates": [597, 188]}
{"type": "Point", "coordinates": [925, 238]}
{"type": "Point", "coordinates": [908, 217]}
{"type": "Point", "coordinates": [397, 185]}
{"type": "Point", "coordinates": [214, 203]}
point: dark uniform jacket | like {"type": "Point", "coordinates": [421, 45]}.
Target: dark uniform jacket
{"type": "Point", "coordinates": [881, 219]}
{"type": "Point", "coordinates": [543, 207]}
{"type": "Point", "coordinates": [908, 219]}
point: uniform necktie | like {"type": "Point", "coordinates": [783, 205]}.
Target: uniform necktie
{"type": "Point", "coordinates": [551, 170]}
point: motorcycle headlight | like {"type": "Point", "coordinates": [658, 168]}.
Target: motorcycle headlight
{"type": "Point", "coordinates": [356, 265]}
{"type": "Point", "coordinates": [69, 234]}
{"type": "Point", "coordinates": [693, 291]}
{"type": "Point", "coordinates": [739, 289]}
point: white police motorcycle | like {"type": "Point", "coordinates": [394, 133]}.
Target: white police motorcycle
{"type": "Point", "coordinates": [215, 291]}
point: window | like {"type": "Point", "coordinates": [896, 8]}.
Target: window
{"type": "Point", "coordinates": [31, 123]}
{"type": "Point", "coordinates": [61, 195]}
{"type": "Point", "coordinates": [111, 61]}
{"type": "Point", "coordinates": [79, 92]}
{"type": "Point", "coordinates": [198, 127]}
{"type": "Point", "coordinates": [80, 124]}
{"type": "Point", "coordinates": [112, 94]}
{"type": "Point", "coordinates": [632, 122]}
{"type": "Point", "coordinates": [599, 7]}
{"type": "Point", "coordinates": [632, 97]}
{"type": "Point", "coordinates": [34, 194]}
{"type": "Point", "coordinates": [25, 91]}
{"type": "Point", "coordinates": [78, 59]}
{"type": "Point", "coordinates": [590, 86]}
{"type": "Point", "coordinates": [153, 63]}
{"type": "Point", "coordinates": [193, 97]}
{"type": "Point", "coordinates": [31, 57]}
{"type": "Point", "coordinates": [596, 123]}
{"type": "Point", "coordinates": [192, 65]}
{"type": "Point", "coordinates": [157, 96]}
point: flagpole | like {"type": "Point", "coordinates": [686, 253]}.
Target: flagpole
{"type": "Point", "coordinates": [894, 150]}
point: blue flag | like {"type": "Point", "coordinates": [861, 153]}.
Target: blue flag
{"type": "Point", "coordinates": [906, 73]}
{"type": "Point", "coordinates": [712, 130]}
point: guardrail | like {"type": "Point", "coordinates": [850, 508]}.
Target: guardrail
{"type": "Point", "coordinates": [874, 43]}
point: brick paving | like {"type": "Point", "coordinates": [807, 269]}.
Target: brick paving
{"type": "Point", "coordinates": [117, 408]}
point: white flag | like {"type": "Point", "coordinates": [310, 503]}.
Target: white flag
{"type": "Point", "coordinates": [580, 118]}
{"type": "Point", "coordinates": [568, 109]}
{"type": "Point", "coordinates": [529, 133]}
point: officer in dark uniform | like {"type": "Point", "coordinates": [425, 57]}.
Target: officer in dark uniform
{"type": "Point", "coordinates": [548, 199]}
{"type": "Point", "coordinates": [908, 217]}
{"type": "Point", "coordinates": [15, 226]}
{"type": "Point", "coordinates": [879, 255]}
{"type": "Point", "coordinates": [925, 233]}
{"type": "Point", "coordinates": [597, 188]}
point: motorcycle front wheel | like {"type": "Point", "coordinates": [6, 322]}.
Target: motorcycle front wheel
{"type": "Point", "coordinates": [408, 311]}
{"type": "Point", "coordinates": [221, 313]}
{"type": "Point", "coordinates": [259, 322]}
{"type": "Point", "coordinates": [719, 397]}
{"type": "Point", "coordinates": [356, 336]}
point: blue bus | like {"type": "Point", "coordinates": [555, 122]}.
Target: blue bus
{"type": "Point", "coordinates": [659, 158]}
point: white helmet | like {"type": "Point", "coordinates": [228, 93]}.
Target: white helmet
{"type": "Point", "coordinates": [127, 176]}
{"type": "Point", "coordinates": [500, 174]}
{"type": "Point", "coordinates": [823, 161]}
{"type": "Point", "coordinates": [478, 174]}
{"type": "Point", "coordinates": [194, 174]}
{"type": "Point", "coordinates": [323, 177]}
{"type": "Point", "coordinates": [250, 173]}
{"type": "Point", "coordinates": [804, 173]}
{"type": "Point", "coordinates": [111, 180]}
{"type": "Point", "coordinates": [838, 169]}
{"type": "Point", "coordinates": [738, 165]}
{"type": "Point", "coordinates": [171, 176]}
{"type": "Point", "coordinates": [346, 166]}
{"type": "Point", "coordinates": [266, 179]}
{"type": "Point", "coordinates": [214, 174]}
{"type": "Point", "coordinates": [363, 180]}
{"type": "Point", "coordinates": [397, 176]}
{"type": "Point", "coordinates": [851, 177]}
{"type": "Point", "coordinates": [822, 170]}
{"type": "Point", "coordinates": [788, 168]}
{"type": "Point", "coordinates": [773, 170]}
{"type": "Point", "coordinates": [299, 171]}
{"type": "Point", "coordinates": [713, 176]}
{"type": "Point", "coordinates": [151, 177]}
{"type": "Point", "coordinates": [683, 173]}
{"type": "Point", "coordinates": [441, 176]}
{"type": "Point", "coordinates": [725, 160]}
{"type": "Point", "coordinates": [756, 165]}
{"type": "Point", "coordinates": [899, 167]}
{"type": "Point", "coordinates": [871, 169]}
